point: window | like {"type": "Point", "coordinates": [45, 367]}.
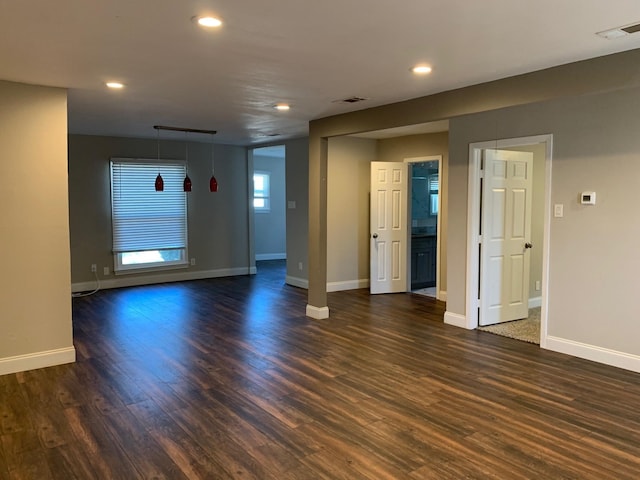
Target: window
{"type": "Point", "coordinates": [261, 192]}
{"type": "Point", "coordinates": [149, 227]}
{"type": "Point", "coordinates": [433, 194]}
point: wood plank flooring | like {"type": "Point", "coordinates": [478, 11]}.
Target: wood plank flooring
{"type": "Point", "coordinates": [226, 378]}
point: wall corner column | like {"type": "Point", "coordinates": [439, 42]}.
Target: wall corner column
{"type": "Point", "coordinates": [318, 157]}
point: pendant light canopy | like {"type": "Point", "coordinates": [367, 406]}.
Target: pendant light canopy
{"type": "Point", "coordinates": [186, 184]}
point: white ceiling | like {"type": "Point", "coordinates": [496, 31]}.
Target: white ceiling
{"type": "Point", "coordinates": [306, 53]}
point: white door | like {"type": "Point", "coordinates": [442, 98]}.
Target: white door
{"type": "Point", "coordinates": [389, 235]}
{"type": "Point", "coordinates": [505, 236]}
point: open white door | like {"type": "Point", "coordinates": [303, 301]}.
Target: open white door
{"type": "Point", "coordinates": [505, 234]}
{"type": "Point", "coordinates": [389, 235]}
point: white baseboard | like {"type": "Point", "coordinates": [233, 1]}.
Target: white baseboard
{"type": "Point", "coordinates": [319, 313]}
{"type": "Point", "coordinates": [442, 296]}
{"type": "Point", "coordinates": [297, 282]}
{"type": "Point", "coordinates": [594, 353]}
{"type": "Point", "coordinates": [271, 256]}
{"type": "Point", "coordinates": [347, 285]}
{"type": "Point", "coordinates": [535, 302]}
{"type": "Point", "coordinates": [31, 361]}
{"type": "Point", "coordinates": [456, 320]}
{"type": "Point", "coordinates": [172, 276]}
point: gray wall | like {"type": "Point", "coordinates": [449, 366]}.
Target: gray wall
{"type": "Point", "coordinates": [35, 293]}
{"type": "Point", "coordinates": [297, 174]}
{"type": "Point", "coordinates": [218, 222]}
{"type": "Point", "coordinates": [348, 240]}
{"type": "Point", "coordinates": [270, 227]}
{"type": "Point", "coordinates": [594, 259]}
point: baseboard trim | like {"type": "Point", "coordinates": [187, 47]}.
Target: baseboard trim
{"type": "Point", "coordinates": [318, 313]}
{"type": "Point", "coordinates": [594, 353]}
{"type": "Point", "coordinates": [297, 282]}
{"type": "Point", "coordinates": [347, 285]}
{"type": "Point", "coordinates": [456, 320]}
{"type": "Point", "coordinates": [31, 361]}
{"type": "Point", "coordinates": [535, 302]}
{"type": "Point", "coordinates": [442, 296]}
{"type": "Point", "coordinates": [271, 256]}
{"type": "Point", "coordinates": [181, 276]}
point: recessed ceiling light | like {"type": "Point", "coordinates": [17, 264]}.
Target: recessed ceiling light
{"type": "Point", "coordinates": [283, 107]}
{"type": "Point", "coordinates": [209, 22]}
{"type": "Point", "coordinates": [421, 69]}
{"type": "Point", "coordinates": [115, 85]}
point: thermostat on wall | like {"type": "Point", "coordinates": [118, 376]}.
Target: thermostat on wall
{"type": "Point", "coordinates": [588, 198]}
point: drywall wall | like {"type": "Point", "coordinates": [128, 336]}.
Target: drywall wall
{"type": "Point", "coordinates": [270, 226]}
{"type": "Point", "coordinates": [218, 222]}
{"type": "Point", "coordinates": [35, 291]}
{"type": "Point", "coordinates": [297, 175]}
{"type": "Point", "coordinates": [349, 184]}
{"type": "Point", "coordinates": [593, 258]}
{"type": "Point", "coordinates": [399, 148]}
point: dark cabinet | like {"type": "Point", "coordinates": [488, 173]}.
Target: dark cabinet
{"type": "Point", "coordinates": [423, 262]}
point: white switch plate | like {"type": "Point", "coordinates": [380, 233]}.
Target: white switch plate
{"type": "Point", "coordinates": [558, 210]}
{"type": "Point", "coordinates": [291, 204]}
{"type": "Point", "coordinates": [105, 271]}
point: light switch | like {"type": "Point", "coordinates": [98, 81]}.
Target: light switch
{"type": "Point", "coordinates": [291, 204]}
{"type": "Point", "coordinates": [558, 210]}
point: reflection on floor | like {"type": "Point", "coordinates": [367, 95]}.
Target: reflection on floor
{"type": "Point", "coordinates": [427, 292]}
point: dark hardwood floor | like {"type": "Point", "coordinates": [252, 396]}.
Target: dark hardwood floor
{"type": "Point", "coordinates": [227, 378]}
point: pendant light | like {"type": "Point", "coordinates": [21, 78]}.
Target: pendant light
{"type": "Point", "coordinates": [213, 183]}
{"type": "Point", "coordinates": [159, 182]}
{"type": "Point", "coordinates": [186, 185]}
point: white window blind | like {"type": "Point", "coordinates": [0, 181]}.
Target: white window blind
{"type": "Point", "coordinates": [144, 219]}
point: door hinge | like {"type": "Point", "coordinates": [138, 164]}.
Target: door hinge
{"type": "Point", "coordinates": [480, 239]}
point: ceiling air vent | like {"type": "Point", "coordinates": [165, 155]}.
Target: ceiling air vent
{"type": "Point", "coordinates": [351, 100]}
{"type": "Point", "coordinates": [620, 31]}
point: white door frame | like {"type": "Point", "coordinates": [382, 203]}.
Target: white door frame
{"type": "Point", "coordinates": [430, 158]}
{"type": "Point", "coordinates": [473, 225]}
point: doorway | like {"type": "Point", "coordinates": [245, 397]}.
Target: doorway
{"type": "Point", "coordinates": [477, 280]}
{"type": "Point", "coordinates": [424, 215]}
{"type": "Point", "coordinates": [269, 207]}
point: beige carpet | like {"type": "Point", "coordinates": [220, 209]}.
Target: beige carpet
{"type": "Point", "coordinates": [527, 330]}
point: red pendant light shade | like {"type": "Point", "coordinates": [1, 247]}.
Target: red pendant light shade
{"type": "Point", "coordinates": [186, 185]}
{"type": "Point", "coordinates": [213, 184]}
{"type": "Point", "coordinates": [159, 183]}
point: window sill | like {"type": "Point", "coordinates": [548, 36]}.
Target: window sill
{"type": "Point", "coordinates": [150, 269]}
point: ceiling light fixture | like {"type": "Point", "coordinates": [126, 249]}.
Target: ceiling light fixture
{"type": "Point", "coordinates": [421, 69]}
{"type": "Point", "coordinates": [186, 184]}
{"type": "Point", "coordinates": [282, 107]}
{"type": "Point", "coordinates": [115, 85]}
{"type": "Point", "coordinates": [209, 22]}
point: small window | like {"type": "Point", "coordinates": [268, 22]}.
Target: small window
{"type": "Point", "coordinates": [149, 227]}
{"type": "Point", "coordinates": [261, 192]}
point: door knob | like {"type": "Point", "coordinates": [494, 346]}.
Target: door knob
{"type": "Point", "coordinates": [375, 235]}
{"type": "Point", "coordinates": [528, 245]}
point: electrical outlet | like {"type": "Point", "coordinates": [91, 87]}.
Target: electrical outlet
{"type": "Point", "coordinates": [537, 285]}
{"type": "Point", "coordinates": [105, 271]}
{"type": "Point", "coordinates": [193, 262]}
{"type": "Point", "coordinates": [94, 268]}
{"type": "Point", "coordinates": [300, 266]}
